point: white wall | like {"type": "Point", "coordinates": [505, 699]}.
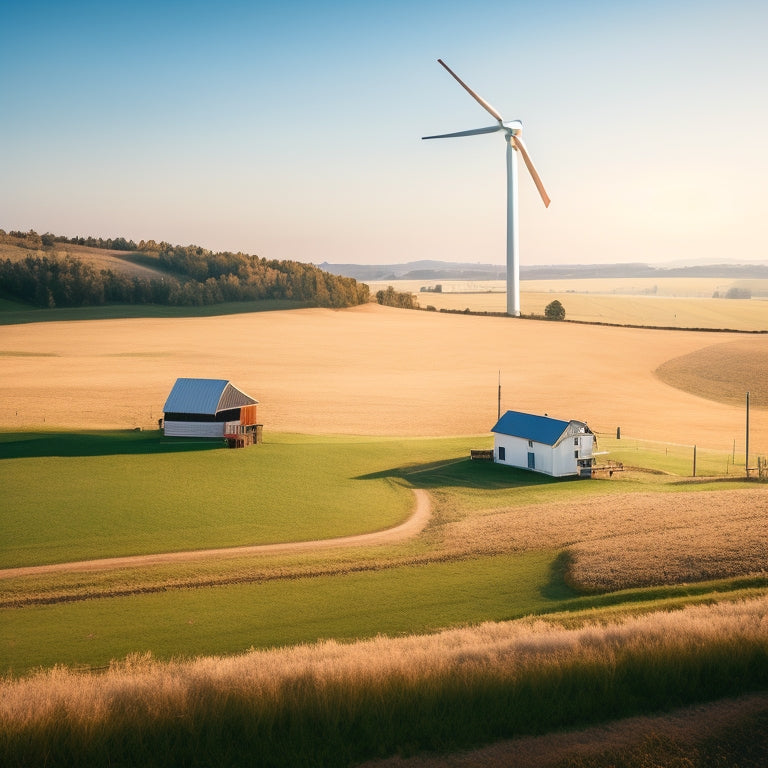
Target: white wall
{"type": "Point", "coordinates": [558, 461]}
{"type": "Point", "coordinates": [516, 453]}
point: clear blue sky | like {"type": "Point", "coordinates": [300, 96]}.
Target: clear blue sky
{"type": "Point", "coordinates": [292, 130]}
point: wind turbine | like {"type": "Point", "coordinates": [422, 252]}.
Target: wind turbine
{"type": "Point", "coordinates": [512, 133]}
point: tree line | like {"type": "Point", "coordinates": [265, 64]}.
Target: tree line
{"type": "Point", "coordinates": [195, 276]}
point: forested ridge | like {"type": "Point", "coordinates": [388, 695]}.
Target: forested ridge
{"type": "Point", "coordinates": [189, 276]}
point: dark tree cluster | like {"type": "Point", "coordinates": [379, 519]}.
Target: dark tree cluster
{"type": "Point", "coordinates": [49, 281]}
{"type": "Point", "coordinates": [229, 276]}
{"type": "Point", "coordinates": [392, 298]}
{"type": "Point", "coordinates": [199, 277]}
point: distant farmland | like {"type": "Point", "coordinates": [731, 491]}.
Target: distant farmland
{"type": "Point", "coordinates": [377, 370]}
{"type": "Point", "coordinates": [658, 302]}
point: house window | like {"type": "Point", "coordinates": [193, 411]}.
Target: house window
{"type": "Point", "coordinates": [530, 443]}
{"type": "Point", "coordinates": [502, 453]}
{"type": "Point", "coordinates": [575, 454]}
{"type": "Point", "coordinates": [575, 440]}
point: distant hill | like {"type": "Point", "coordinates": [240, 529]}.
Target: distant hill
{"type": "Point", "coordinates": [447, 270]}
{"type": "Point", "coordinates": [54, 271]}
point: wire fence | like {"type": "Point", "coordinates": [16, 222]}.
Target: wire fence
{"type": "Point", "coordinates": [680, 459]}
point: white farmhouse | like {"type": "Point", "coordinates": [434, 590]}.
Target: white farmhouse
{"type": "Point", "coordinates": [543, 444]}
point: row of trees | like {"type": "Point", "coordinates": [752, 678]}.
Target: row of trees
{"type": "Point", "coordinates": [50, 281]}
{"type": "Point", "coordinates": [34, 241]}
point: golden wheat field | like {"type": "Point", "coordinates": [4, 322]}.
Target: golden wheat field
{"type": "Point", "coordinates": [375, 370]}
{"type": "Point", "coordinates": [622, 302]}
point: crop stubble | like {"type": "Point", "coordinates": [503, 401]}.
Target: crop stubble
{"type": "Point", "coordinates": [368, 370]}
{"type": "Point", "coordinates": [627, 540]}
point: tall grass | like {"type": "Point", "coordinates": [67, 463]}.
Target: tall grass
{"type": "Point", "coordinates": [331, 704]}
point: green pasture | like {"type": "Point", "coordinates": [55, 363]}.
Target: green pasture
{"type": "Point", "coordinates": [231, 619]}
{"type": "Point", "coordinates": [75, 496]}
{"type": "Point", "coordinates": [674, 458]}
{"type": "Point", "coordinates": [91, 495]}
{"type": "Point", "coordinates": [401, 600]}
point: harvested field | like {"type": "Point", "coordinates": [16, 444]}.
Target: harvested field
{"type": "Point", "coordinates": [367, 370]}
{"type": "Point", "coordinates": [675, 304]}
{"type": "Point", "coordinates": [620, 541]}
{"type": "Point", "coordinates": [711, 372]}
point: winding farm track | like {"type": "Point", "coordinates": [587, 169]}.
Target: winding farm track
{"type": "Point", "coordinates": [413, 525]}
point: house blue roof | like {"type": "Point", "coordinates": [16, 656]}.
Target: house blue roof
{"type": "Point", "coordinates": [541, 429]}
{"type": "Point", "coordinates": [205, 396]}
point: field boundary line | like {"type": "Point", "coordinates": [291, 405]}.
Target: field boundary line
{"type": "Point", "coordinates": [415, 523]}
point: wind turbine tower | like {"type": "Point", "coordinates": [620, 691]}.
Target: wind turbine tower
{"type": "Point", "coordinates": [513, 136]}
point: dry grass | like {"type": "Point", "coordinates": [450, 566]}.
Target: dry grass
{"type": "Point", "coordinates": [285, 696]}
{"type": "Point", "coordinates": [368, 370]}
{"type": "Point", "coordinates": [630, 540]}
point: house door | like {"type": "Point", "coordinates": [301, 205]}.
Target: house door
{"type": "Point", "coordinates": [531, 460]}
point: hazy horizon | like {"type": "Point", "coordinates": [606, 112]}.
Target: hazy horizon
{"type": "Point", "coordinates": [293, 131]}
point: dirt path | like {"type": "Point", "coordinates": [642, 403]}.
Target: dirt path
{"type": "Point", "coordinates": [409, 528]}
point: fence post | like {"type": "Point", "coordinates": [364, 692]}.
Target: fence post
{"type": "Point", "coordinates": [694, 461]}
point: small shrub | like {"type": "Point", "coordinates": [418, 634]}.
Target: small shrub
{"type": "Point", "coordinates": [554, 311]}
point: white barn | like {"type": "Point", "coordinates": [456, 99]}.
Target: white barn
{"type": "Point", "coordinates": [543, 444]}
{"type": "Point", "coordinates": [207, 408]}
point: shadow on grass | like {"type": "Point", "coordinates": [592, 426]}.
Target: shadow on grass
{"type": "Point", "coordinates": [566, 597]}
{"type": "Point", "coordinates": [557, 587]}
{"type": "Point", "coordinates": [17, 314]}
{"type": "Point", "coordinates": [465, 473]}
{"type": "Point", "coordinates": [25, 445]}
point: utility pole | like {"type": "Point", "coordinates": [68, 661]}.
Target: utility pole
{"type": "Point", "coordinates": [746, 460]}
{"type": "Point", "coordinates": [498, 405]}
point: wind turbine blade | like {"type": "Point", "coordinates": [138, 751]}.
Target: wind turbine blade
{"type": "Point", "coordinates": [471, 132]}
{"type": "Point", "coordinates": [529, 165]}
{"type": "Point", "coordinates": [482, 102]}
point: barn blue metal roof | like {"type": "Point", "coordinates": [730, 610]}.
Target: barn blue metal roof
{"type": "Point", "coordinates": [541, 429]}
{"type": "Point", "coordinates": [205, 396]}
